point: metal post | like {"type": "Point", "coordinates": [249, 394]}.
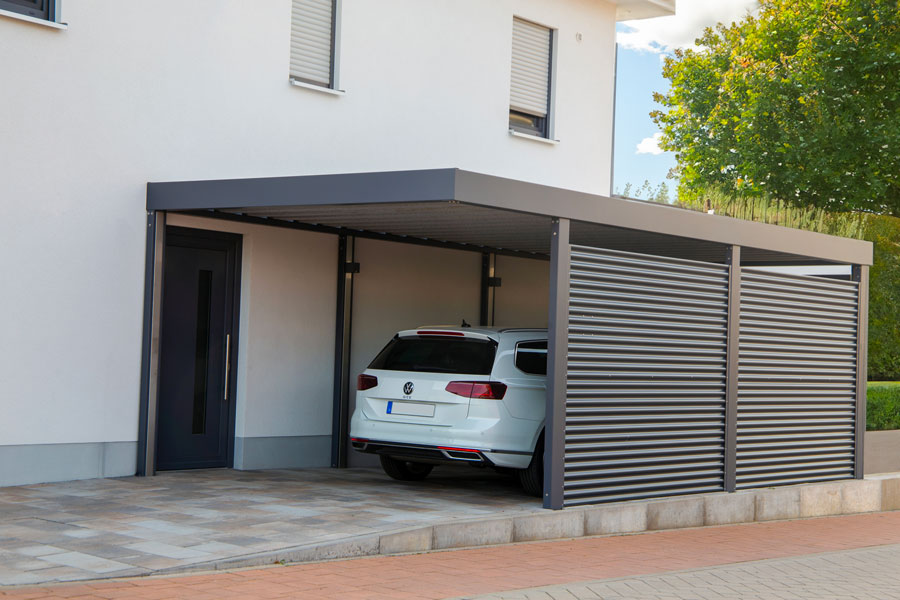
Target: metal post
{"type": "Point", "coordinates": [861, 274]}
{"type": "Point", "coordinates": [485, 302]}
{"type": "Point", "coordinates": [733, 260]}
{"type": "Point", "coordinates": [154, 264]}
{"type": "Point", "coordinates": [557, 365]}
{"type": "Point", "coordinates": [341, 405]}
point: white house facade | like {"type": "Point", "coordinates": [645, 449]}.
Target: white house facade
{"type": "Point", "coordinates": [99, 98]}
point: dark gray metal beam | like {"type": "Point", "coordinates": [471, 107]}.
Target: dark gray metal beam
{"type": "Point", "coordinates": [731, 367]}
{"type": "Point", "coordinates": [343, 324]}
{"type": "Point", "coordinates": [305, 190]}
{"type": "Point", "coordinates": [453, 185]}
{"type": "Point", "coordinates": [372, 235]}
{"type": "Point", "coordinates": [485, 296]}
{"type": "Point", "coordinates": [153, 270]}
{"type": "Point", "coordinates": [557, 366]}
{"type": "Point", "coordinates": [861, 274]}
{"type": "Point", "coordinates": [510, 194]}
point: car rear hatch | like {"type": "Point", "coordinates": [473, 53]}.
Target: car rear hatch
{"type": "Point", "coordinates": [409, 379]}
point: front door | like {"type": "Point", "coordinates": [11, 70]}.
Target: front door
{"type": "Point", "coordinates": [195, 424]}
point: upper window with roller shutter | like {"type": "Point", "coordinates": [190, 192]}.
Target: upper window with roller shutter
{"type": "Point", "coordinates": [529, 92]}
{"type": "Point", "coordinates": [312, 42]}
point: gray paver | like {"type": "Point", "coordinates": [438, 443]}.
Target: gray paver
{"type": "Point", "coordinates": [137, 525]}
{"type": "Point", "coordinates": [865, 573]}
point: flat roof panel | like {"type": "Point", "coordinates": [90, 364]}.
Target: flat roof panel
{"type": "Point", "coordinates": [495, 212]}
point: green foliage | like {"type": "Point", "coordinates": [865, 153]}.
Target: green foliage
{"type": "Point", "coordinates": [647, 192]}
{"type": "Point", "coordinates": [884, 299]}
{"type": "Point", "coordinates": [884, 276]}
{"type": "Point", "coordinates": [882, 407]}
{"type": "Point", "coordinates": [800, 103]}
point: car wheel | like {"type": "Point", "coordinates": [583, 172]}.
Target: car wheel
{"type": "Point", "coordinates": [532, 478]}
{"type": "Point", "coordinates": [404, 470]}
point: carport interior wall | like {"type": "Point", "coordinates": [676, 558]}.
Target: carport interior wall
{"type": "Point", "coordinates": [681, 376]}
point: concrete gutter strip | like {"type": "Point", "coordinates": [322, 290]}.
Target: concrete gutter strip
{"type": "Point", "coordinates": [873, 494]}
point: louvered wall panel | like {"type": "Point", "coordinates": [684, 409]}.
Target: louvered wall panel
{"type": "Point", "coordinates": [797, 379]}
{"type": "Point", "coordinates": [645, 411]}
{"type": "Point", "coordinates": [312, 24]}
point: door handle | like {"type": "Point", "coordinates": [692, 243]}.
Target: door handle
{"type": "Point", "coordinates": [227, 363]}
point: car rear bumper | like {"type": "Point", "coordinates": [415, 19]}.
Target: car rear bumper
{"type": "Point", "coordinates": [443, 455]}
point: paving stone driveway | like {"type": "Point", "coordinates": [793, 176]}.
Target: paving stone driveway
{"type": "Point", "coordinates": [867, 574]}
{"type": "Point", "coordinates": [133, 526]}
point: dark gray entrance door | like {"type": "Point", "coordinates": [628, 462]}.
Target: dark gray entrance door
{"type": "Point", "coordinates": [195, 423]}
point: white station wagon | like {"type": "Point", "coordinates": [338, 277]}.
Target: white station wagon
{"type": "Point", "coordinates": [441, 395]}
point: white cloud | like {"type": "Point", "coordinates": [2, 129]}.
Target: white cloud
{"type": "Point", "coordinates": [664, 34]}
{"type": "Point", "coordinates": [650, 145]}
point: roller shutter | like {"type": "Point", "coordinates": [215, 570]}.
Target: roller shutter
{"type": "Point", "coordinates": [645, 411]}
{"type": "Point", "coordinates": [797, 379]}
{"type": "Point", "coordinates": [312, 41]}
{"type": "Point", "coordinates": [530, 81]}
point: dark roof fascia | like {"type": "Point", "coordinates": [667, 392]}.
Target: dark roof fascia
{"type": "Point", "coordinates": [511, 194]}
{"type": "Point", "coordinates": [426, 185]}
{"type": "Point", "coordinates": [455, 185]}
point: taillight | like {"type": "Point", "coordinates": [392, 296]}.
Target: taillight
{"type": "Point", "coordinates": [364, 382]}
{"type": "Point", "coordinates": [490, 390]}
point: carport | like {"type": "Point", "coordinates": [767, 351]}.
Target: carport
{"type": "Point", "coordinates": [677, 363]}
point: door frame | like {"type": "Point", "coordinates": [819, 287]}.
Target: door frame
{"type": "Point", "coordinates": [157, 238]}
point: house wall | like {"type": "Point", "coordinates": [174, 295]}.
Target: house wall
{"type": "Point", "coordinates": [160, 91]}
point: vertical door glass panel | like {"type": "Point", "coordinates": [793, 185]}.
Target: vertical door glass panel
{"type": "Point", "coordinates": [201, 363]}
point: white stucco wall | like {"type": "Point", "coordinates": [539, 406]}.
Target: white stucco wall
{"type": "Point", "coordinates": [162, 90]}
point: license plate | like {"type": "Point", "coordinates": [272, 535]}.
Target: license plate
{"type": "Point", "coordinates": [412, 409]}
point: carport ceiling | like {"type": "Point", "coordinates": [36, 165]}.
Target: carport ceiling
{"type": "Point", "coordinates": [482, 212]}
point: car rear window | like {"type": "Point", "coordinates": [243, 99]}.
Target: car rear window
{"type": "Point", "coordinates": [437, 355]}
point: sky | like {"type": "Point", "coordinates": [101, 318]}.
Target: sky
{"type": "Point", "coordinates": [642, 46]}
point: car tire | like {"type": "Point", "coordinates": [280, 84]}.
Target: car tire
{"type": "Point", "coordinates": [532, 478]}
{"type": "Point", "coordinates": [403, 470]}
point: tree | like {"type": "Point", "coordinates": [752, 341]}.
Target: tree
{"type": "Point", "coordinates": [801, 103]}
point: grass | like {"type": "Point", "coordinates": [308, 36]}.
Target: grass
{"type": "Point", "coordinates": [883, 405]}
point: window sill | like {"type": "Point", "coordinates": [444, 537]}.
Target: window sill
{"type": "Point", "coordinates": [27, 19]}
{"type": "Point", "coordinates": [536, 138]}
{"type": "Point", "coordinates": [316, 88]}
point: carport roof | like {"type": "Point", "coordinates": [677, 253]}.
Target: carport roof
{"type": "Point", "coordinates": [485, 212]}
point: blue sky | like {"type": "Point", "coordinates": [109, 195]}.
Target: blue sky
{"type": "Point", "coordinates": [638, 76]}
{"type": "Point", "coordinates": [642, 44]}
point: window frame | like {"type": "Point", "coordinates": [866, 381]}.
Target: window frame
{"type": "Point", "coordinates": [544, 351]}
{"type": "Point", "coordinates": [333, 75]}
{"type": "Point", "coordinates": [544, 126]}
{"type": "Point", "coordinates": [27, 8]}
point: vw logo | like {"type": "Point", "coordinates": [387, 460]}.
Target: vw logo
{"type": "Point", "coordinates": [408, 388]}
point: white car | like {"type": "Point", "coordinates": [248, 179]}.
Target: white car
{"type": "Point", "coordinates": [442, 395]}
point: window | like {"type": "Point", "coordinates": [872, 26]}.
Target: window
{"type": "Point", "coordinates": [529, 92]}
{"type": "Point", "coordinates": [437, 355]}
{"type": "Point", "coordinates": [44, 10]}
{"type": "Point", "coordinates": [313, 42]}
{"type": "Point", "coordinates": [531, 357]}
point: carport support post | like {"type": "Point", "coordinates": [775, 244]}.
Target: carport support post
{"type": "Point", "coordinates": [861, 274]}
{"type": "Point", "coordinates": [733, 259]}
{"type": "Point", "coordinates": [341, 404]}
{"type": "Point", "coordinates": [557, 365]}
{"type": "Point", "coordinates": [153, 280]}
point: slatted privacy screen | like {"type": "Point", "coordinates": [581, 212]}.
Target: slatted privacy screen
{"type": "Point", "coordinates": [530, 82]}
{"type": "Point", "coordinates": [645, 412]}
{"type": "Point", "coordinates": [312, 41]}
{"type": "Point", "coordinates": [797, 379]}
